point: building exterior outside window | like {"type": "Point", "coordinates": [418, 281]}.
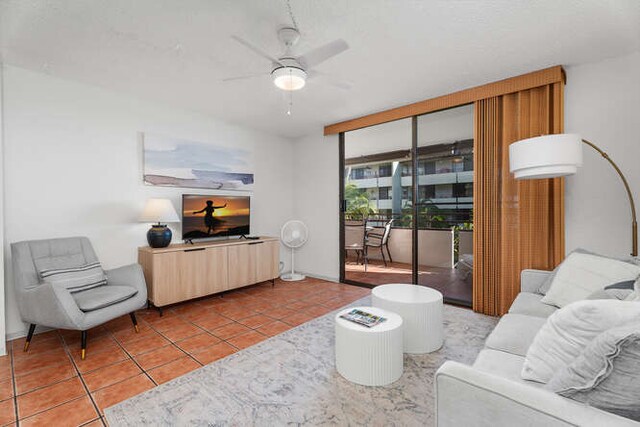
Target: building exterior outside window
{"type": "Point", "coordinates": [444, 179]}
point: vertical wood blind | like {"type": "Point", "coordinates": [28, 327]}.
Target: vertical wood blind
{"type": "Point", "coordinates": [517, 224]}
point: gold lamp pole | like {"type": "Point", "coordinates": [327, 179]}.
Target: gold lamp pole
{"type": "Point", "coordinates": [634, 222]}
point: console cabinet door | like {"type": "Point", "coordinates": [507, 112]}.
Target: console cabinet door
{"type": "Point", "coordinates": [195, 273]}
{"type": "Point", "coordinates": [165, 278]}
{"type": "Point", "coordinates": [242, 265]}
{"type": "Point", "coordinates": [217, 276]}
{"type": "Point", "coordinates": [267, 259]}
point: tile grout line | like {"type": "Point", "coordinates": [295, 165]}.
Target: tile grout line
{"type": "Point", "coordinates": [144, 371]}
{"type": "Point", "coordinates": [84, 385]}
{"type": "Point", "coordinates": [15, 388]}
{"type": "Point", "coordinates": [202, 329]}
{"type": "Point", "coordinates": [60, 404]}
{"type": "Point", "coordinates": [172, 342]}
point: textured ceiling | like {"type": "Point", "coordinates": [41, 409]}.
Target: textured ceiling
{"type": "Point", "coordinates": [177, 51]}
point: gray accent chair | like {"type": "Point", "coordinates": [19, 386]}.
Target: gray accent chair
{"type": "Point", "coordinates": [41, 303]}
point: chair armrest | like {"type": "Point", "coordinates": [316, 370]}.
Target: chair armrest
{"type": "Point", "coordinates": [531, 280]}
{"type": "Point", "coordinates": [468, 397]}
{"type": "Point", "coordinates": [51, 306]}
{"type": "Point", "coordinates": [128, 275]}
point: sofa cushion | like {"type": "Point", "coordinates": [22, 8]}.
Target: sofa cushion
{"type": "Point", "coordinates": [514, 333]}
{"type": "Point", "coordinates": [104, 296]}
{"type": "Point", "coordinates": [568, 331]}
{"type": "Point", "coordinates": [581, 274]}
{"type": "Point", "coordinates": [505, 365]}
{"type": "Point", "coordinates": [606, 374]}
{"type": "Point", "coordinates": [530, 304]}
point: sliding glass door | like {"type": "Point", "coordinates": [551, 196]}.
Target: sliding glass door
{"type": "Point", "coordinates": [376, 218]}
{"type": "Point", "coordinates": [393, 231]}
{"type": "Point", "coordinates": [445, 202]}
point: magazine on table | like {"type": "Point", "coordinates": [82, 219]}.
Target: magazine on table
{"type": "Point", "coordinates": [363, 318]}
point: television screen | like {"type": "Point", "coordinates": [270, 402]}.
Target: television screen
{"type": "Point", "coordinates": [214, 216]}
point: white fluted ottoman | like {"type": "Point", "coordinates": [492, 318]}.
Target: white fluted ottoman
{"type": "Point", "coordinates": [421, 310]}
{"type": "Point", "coordinates": [369, 356]}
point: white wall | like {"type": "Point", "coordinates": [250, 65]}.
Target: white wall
{"type": "Point", "coordinates": [73, 167]}
{"type": "Point", "coordinates": [316, 202]}
{"type": "Point", "coordinates": [602, 103]}
{"type": "Point", "coordinates": [3, 310]}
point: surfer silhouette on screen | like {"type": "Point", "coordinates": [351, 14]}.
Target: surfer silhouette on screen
{"type": "Point", "coordinates": [209, 220]}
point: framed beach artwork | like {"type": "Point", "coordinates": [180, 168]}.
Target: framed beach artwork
{"type": "Point", "coordinates": [177, 162]}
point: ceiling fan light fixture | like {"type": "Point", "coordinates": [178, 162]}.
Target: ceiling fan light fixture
{"type": "Point", "coordinates": [289, 78]}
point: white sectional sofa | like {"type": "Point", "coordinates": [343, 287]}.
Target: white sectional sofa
{"type": "Point", "coordinates": [492, 393]}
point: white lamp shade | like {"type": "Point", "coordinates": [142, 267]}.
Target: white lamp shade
{"type": "Point", "coordinates": [289, 78]}
{"type": "Point", "coordinates": [159, 210]}
{"type": "Point", "coordinates": [548, 156]}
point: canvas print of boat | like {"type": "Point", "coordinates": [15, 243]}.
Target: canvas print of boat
{"type": "Point", "coordinates": [180, 163]}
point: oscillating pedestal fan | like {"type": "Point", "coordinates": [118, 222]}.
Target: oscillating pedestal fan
{"type": "Point", "coordinates": [294, 234]}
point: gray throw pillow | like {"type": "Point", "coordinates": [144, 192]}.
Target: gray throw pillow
{"type": "Point", "coordinates": [606, 373]}
{"type": "Point", "coordinates": [620, 290]}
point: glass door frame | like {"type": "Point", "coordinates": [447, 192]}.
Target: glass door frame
{"type": "Point", "coordinates": [415, 208]}
{"type": "Point", "coordinates": [414, 192]}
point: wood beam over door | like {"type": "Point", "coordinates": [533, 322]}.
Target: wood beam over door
{"type": "Point", "coordinates": [514, 84]}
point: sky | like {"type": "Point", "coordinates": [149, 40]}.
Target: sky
{"type": "Point", "coordinates": [177, 157]}
{"type": "Point", "coordinates": [235, 205]}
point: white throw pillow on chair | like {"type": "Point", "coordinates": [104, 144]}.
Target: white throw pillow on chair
{"type": "Point", "coordinates": [568, 331]}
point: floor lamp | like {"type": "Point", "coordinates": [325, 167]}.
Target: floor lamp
{"type": "Point", "coordinates": [552, 156]}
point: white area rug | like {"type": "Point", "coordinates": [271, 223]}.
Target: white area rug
{"type": "Point", "coordinates": [291, 379]}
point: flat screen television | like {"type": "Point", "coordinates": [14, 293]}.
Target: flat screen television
{"type": "Point", "coordinates": [214, 216]}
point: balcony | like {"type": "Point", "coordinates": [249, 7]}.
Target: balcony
{"type": "Point", "coordinates": [385, 181]}
{"type": "Point", "coordinates": [436, 261]}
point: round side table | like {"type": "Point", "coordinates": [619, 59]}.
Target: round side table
{"type": "Point", "coordinates": [421, 310]}
{"type": "Point", "coordinates": [369, 356]}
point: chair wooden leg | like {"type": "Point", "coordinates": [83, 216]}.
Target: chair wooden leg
{"type": "Point", "coordinates": [135, 321]}
{"type": "Point", "coordinates": [389, 252]}
{"type": "Point", "coordinates": [83, 344]}
{"type": "Point", "coordinates": [32, 329]}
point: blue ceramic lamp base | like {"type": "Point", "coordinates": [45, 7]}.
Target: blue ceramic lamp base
{"type": "Point", "coordinates": [159, 236]}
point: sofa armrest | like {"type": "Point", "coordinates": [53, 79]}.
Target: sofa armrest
{"type": "Point", "coordinates": [468, 397]}
{"type": "Point", "coordinates": [128, 275]}
{"type": "Point", "coordinates": [531, 280]}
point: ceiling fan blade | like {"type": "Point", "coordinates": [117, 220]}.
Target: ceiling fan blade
{"type": "Point", "coordinates": [248, 76]}
{"type": "Point", "coordinates": [255, 49]}
{"type": "Point", "coordinates": [322, 53]}
{"type": "Point", "coordinates": [331, 80]}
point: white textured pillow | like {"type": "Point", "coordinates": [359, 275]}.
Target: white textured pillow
{"type": "Point", "coordinates": [606, 374]}
{"type": "Point", "coordinates": [581, 274]}
{"type": "Point", "coordinates": [569, 330]}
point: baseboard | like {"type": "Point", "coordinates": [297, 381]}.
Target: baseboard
{"type": "Point", "coordinates": [322, 277]}
{"type": "Point", "coordinates": [21, 334]}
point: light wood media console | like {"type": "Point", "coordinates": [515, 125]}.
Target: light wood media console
{"type": "Point", "coordinates": [181, 272]}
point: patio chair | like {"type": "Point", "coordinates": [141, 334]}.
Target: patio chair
{"type": "Point", "coordinates": [377, 240]}
{"type": "Point", "coordinates": [60, 284]}
{"type": "Point", "coordinates": [354, 239]}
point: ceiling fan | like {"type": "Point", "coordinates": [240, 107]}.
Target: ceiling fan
{"type": "Point", "coordinates": [288, 71]}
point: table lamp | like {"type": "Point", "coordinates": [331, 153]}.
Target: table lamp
{"type": "Point", "coordinates": [552, 156]}
{"type": "Point", "coordinates": [159, 212]}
